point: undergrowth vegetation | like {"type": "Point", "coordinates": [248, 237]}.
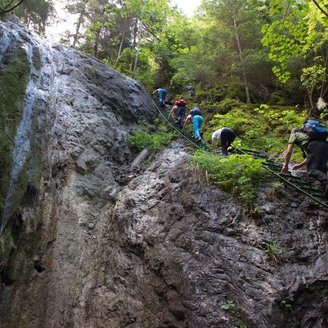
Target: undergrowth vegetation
{"type": "Point", "coordinates": [237, 174]}
{"type": "Point", "coordinates": [266, 128]}
{"type": "Point", "coordinates": [154, 139]}
{"type": "Point", "coordinates": [258, 127]}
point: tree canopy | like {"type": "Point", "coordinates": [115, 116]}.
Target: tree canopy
{"type": "Point", "coordinates": [252, 50]}
{"type": "Point", "coordinates": [7, 6]}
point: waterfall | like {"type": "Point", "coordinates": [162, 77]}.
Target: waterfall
{"type": "Point", "coordinates": [37, 88]}
{"type": "Point", "coordinates": [7, 44]}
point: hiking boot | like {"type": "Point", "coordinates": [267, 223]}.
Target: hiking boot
{"type": "Point", "coordinates": [198, 140]}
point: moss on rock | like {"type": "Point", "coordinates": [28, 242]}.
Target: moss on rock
{"type": "Point", "coordinates": [13, 82]}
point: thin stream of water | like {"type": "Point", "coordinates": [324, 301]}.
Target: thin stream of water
{"type": "Point", "coordinates": [37, 88]}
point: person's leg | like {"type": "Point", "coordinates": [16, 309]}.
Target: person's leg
{"type": "Point", "coordinates": [196, 125]}
{"type": "Point", "coordinates": [227, 138]}
{"type": "Point", "coordinates": [181, 116]}
{"type": "Point", "coordinates": [317, 161]}
{"type": "Point", "coordinates": [196, 129]}
{"type": "Point", "coordinates": [224, 141]}
{"type": "Point", "coordinates": [231, 136]}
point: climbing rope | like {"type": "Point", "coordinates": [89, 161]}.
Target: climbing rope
{"type": "Point", "coordinates": [296, 182]}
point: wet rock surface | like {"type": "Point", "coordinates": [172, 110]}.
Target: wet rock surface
{"type": "Point", "coordinates": [101, 246]}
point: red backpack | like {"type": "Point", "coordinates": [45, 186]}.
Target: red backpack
{"type": "Point", "coordinates": [180, 102]}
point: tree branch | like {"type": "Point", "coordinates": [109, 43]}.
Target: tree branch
{"type": "Point", "coordinates": [10, 6]}
{"type": "Point", "coordinates": [320, 8]}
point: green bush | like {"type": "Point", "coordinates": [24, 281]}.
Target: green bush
{"type": "Point", "coordinates": [274, 250]}
{"type": "Point", "coordinates": [153, 141]}
{"type": "Point", "coordinates": [239, 175]}
{"type": "Point", "coordinates": [260, 127]}
{"type": "Point", "coordinates": [229, 306]}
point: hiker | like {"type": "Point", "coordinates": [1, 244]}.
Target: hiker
{"type": "Point", "coordinates": [316, 152]}
{"type": "Point", "coordinates": [162, 96]}
{"type": "Point", "coordinates": [179, 109]}
{"type": "Point", "coordinates": [225, 136]}
{"type": "Point", "coordinates": [195, 116]}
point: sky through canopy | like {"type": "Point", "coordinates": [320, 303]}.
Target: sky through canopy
{"type": "Point", "coordinates": [187, 6]}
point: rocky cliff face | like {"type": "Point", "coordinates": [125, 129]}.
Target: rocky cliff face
{"type": "Point", "coordinates": [88, 244]}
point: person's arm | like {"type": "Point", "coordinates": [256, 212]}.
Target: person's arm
{"type": "Point", "coordinates": [299, 165]}
{"type": "Point", "coordinates": [155, 91]}
{"type": "Point", "coordinates": [185, 123]}
{"type": "Point", "coordinates": [288, 155]}
{"type": "Point", "coordinates": [187, 120]}
{"type": "Point", "coordinates": [172, 110]}
{"type": "Point", "coordinates": [213, 143]}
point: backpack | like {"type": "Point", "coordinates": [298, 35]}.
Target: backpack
{"type": "Point", "coordinates": [315, 130]}
{"type": "Point", "coordinates": [195, 111]}
{"type": "Point", "coordinates": [180, 102]}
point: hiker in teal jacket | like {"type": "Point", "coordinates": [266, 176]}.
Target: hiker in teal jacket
{"type": "Point", "coordinates": [197, 119]}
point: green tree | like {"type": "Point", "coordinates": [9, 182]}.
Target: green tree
{"type": "Point", "coordinates": [36, 14]}
{"type": "Point", "coordinates": [123, 33]}
{"type": "Point", "coordinates": [227, 53]}
{"type": "Point", "coordinates": [80, 8]}
{"type": "Point", "coordinates": [322, 7]}
{"type": "Point", "coordinates": [298, 42]}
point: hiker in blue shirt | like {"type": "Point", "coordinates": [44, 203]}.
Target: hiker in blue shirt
{"type": "Point", "coordinates": [162, 96]}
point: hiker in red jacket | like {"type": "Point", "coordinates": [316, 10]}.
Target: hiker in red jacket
{"type": "Point", "coordinates": [179, 109]}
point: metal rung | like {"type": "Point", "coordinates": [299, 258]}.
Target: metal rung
{"type": "Point", "coordinates": [294, 177]}
{"type": "Point", "coordinates": [272, 164]}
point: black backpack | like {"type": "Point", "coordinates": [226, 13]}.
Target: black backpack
{"type": "Point", "coordinates": [315, 130]}
{"type": "Point", "coordinates": [195, 111]}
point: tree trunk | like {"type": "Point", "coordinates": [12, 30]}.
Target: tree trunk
{"type": "Point", "coordinates": [79, 23]}
{"type": "Point", "coordinates": [96, 45]}
{"type": "Point", "coordinates": [135, 62]}
{"type": "Point", "coordinates": [310, 96]}
{"type": "Point", "coordinates": [248, 99]}
{"type": "Point", "coordinates": [8, 7]}
{"type": "Point", "coordinates": [120, 49]}
{"type": "Point", "coordinates": [134, 43]}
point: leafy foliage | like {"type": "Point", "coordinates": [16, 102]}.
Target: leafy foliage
{"type": "Point", "coordinates": [7, 6]}
{"type": "Point", "coordinates": [153, 141]}
{"type": "Point", "coordinates": [237, 174]}
{"type": "Point", "coordinates": [36, 13]}
{"type": "Point", "coordinates": [229, 49]}
{"type": "Point", "coordinates": [229, 306]}
{"type": "Point", "coordinates": [274, 250]}
{"type": "Point", "coordinates": [297, 39]}
{"type": "Point", "coordinates": [260, 128]}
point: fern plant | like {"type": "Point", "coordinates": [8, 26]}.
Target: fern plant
{"type": "Point", "coordinates": [153, 141]}
{"type": "Point", "coordinates": [239, 175]}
